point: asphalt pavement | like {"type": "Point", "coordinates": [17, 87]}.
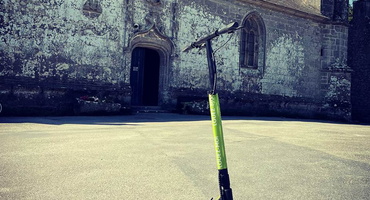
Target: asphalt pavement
{"type": "Point", "coordinates": [169, 156]}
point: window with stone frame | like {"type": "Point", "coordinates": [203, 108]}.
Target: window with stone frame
{"type": "Point", "coordinates": [252, 42]}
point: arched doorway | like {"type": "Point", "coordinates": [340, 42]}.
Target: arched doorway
{"type": "Point", "coordinates": [155, 47]}
{"type": "Point", "coordinates": [144, 76]}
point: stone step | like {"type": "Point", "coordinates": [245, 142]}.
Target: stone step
{"type": "Point", "coordinates": [148, 109]}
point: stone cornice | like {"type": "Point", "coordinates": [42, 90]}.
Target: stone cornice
{"type": "Point", "coordinates": [284, 9]}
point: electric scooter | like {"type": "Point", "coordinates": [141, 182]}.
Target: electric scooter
{"type": "Point", "coordinates": [223, 175]}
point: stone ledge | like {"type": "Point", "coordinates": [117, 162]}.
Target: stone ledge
{"type": "Point", "coordinates": [92, 107]}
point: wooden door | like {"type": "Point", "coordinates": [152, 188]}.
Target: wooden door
{"type": "Point", "coordinates": [144, 77]}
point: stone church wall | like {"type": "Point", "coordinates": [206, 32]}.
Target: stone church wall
{"type": "Point", "coordinates": [303, 73]}
{"type": "Point", "coordinates": [54, 52]}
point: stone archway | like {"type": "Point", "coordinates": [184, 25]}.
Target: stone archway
{"type": "Point", "coordinates": [155, 40]}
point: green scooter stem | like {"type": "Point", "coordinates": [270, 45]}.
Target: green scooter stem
{"type": "Point", "coordinates": [223, 176]}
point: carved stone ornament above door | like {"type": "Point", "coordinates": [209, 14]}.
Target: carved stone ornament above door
{"type": "Point", "coordinates": [92, 8]}
{"type": "Point", "coordinates": [153, 38]}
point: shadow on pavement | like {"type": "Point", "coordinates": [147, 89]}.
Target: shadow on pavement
{"type": "Point", "coordinates": [145, 118]}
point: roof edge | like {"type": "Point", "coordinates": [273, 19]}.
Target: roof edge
{"type": "Point", "coordinates": [290, 11]}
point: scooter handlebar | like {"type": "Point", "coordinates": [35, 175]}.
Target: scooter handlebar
{"type": "Point", "coordinates": [230, 28]}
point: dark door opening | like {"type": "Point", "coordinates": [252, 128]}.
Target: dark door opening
{"type": "Point", "coordinates": [144, 77]}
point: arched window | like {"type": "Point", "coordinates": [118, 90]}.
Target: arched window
{"type": "Point", "coordinates": [252, 42]}
{"type": "Point", "coordinates": [252, 49]}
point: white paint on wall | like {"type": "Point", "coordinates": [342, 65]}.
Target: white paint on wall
{"type": "Point", "coordinates": [284, 66]}
{"type": "Point", "coordinates": [196, 22]}
{"type": "Point", "coordinates": [59, 28]}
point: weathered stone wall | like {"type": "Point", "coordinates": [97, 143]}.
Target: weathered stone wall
{"type": "Point", "coordinates": [67, 49]}
{"type": "Point", "coordinates": [298, 75]}
{"type": "Point", "coordinates": [55, 39]}
{"type": "Point", "coordinates": [336, 74]}
{"type": "Point", "coordinates": [359, 60]}
{"type": "Point", "coordinates": [292, 60]}
{"type": "Point", "coordinates": [292, 57]}
{"type": "Point", "coordinates": [54, 45]}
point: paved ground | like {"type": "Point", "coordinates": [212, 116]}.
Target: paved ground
{"type": "Point", "coordinates": [169, 156]}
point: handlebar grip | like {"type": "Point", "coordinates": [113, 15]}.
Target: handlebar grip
{"type": "Point", "coordinates": [228, 29]}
